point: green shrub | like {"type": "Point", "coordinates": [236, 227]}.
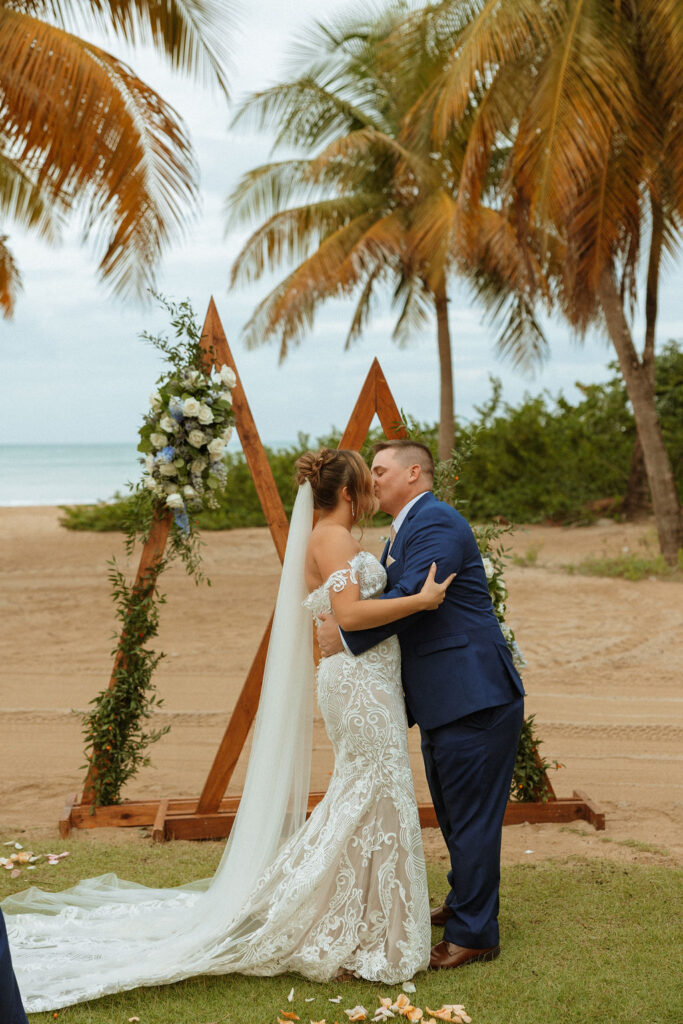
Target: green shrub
{"type": "Point", "coordinates": [542, 459]}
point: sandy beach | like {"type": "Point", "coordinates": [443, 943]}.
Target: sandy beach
{"type": "Point", "coordinates": [605, 663]}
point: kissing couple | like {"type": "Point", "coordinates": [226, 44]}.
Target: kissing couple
{"type": "Point", "coordinates": [344, 892]}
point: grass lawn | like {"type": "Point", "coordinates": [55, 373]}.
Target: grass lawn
{"type": "Point", "coordinates": [582, 941]}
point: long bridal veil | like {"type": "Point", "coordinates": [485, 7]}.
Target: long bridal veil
{"type": "Point", "coordinates": [107, 935]}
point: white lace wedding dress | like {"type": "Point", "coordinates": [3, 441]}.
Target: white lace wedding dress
{"type": "Point", "coordinates": [346, 891]}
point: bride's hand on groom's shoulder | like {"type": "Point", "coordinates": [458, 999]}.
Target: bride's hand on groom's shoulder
{"type": "Point", "coordinates": [329, 639]}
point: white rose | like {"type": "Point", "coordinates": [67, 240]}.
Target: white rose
{"type": "Point", "coordinates": [227, 434]}
{"type": "Point", "coordinates": [196, 438]}
{"type": "Point", "coordinates": [175, 500]}
{"type": "Point", "coordinates": [149, 482]}
{"type": "Point", "coordinates": [216, 448]}
{"type": "Point", "coordinates": [204, 415]}
{"type": "Point", "coordinates": [158, 440]}
{"type": "Point", "coordinates": [488, 568]}
{"type": "Point", "coordinates": [227, 396]}
{"type": "Point", "coordinates": [193, 377]}
{"type": "Point", "coordinates": [168, 469]}
{"type": "Point", "coordinates": [155, 401]}
{"type": "Point", "coordinates": [502, 589]}
{"type": "Point", "coordinates": [189, 491]}
{"type": "Point", "coordinates": [167, 424]}
{"type": "Point", "coordinates": [190, 407]}
{"type": "Point", "coordinates": [197, 465]}
{"type": "Point", "coordinates": [149, 463]}
{"type": "Point", "coordinates": [227, 376]}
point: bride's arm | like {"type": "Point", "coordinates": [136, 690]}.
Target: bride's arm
{"type": "Point", "coordinates": [332, 558]}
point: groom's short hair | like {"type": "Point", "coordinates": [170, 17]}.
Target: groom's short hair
{"type": "Point", "coordinates": [409, 453]}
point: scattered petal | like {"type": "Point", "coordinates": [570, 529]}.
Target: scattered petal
{"type": "Point", "coordinates": [290, 997]}
{"type": "Point", "coordinates": [357, 1013]}
{"type": "Point", "coordinates": [132, 1020]}
{"type": "Point", "coordinates": [18, 846]}
{"type": "Point", "coordinates": [337, 999]}
{"type": "Point", "coordinates": [309, 999]}
{"type": "Point", "coordinates": [289, 1015]}
{"type": "Point", "coordinates": [528, 851]}
{"type": "Point", "coordinates": [408, 986]}
{"type": "Point", "coordinates": [15, 873]}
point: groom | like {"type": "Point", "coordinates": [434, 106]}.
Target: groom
{"type": "Point", "coordinates": [460, 686]}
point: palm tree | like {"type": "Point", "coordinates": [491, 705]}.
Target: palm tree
{"type": "Point", "coordinates": [80, 133]}
{"type": "Point", "coordinates": [590, 96]}
{"type": "Point", "coordinates": [364, 207]}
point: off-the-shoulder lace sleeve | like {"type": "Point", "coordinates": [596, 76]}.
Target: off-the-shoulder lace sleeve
{"type": "Point", "coordinates": [341, 578]}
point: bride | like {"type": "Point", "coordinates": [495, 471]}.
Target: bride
{"type": "Point", "coordinates": [343, 892]}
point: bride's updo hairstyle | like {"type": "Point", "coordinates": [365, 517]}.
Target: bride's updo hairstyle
{"type": "Point", "coordinates": [330, 469]}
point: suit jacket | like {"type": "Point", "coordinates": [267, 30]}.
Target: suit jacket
{"type": "Point", "coordinates": [455, 659]}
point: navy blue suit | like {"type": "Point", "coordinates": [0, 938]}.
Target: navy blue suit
{"type": "Point", "coordinates": [11, 1009]}
{"type": "Point", "coordinates": [462, 689]}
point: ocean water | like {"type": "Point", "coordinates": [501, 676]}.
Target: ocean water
{"type": "Point", "coordinates": [71, 474]}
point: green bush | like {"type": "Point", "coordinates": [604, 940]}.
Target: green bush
{"type": "Point", "coordinates": [542, 459]}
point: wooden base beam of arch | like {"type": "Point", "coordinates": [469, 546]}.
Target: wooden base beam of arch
{"type": "Point", "coordinates": [212, 814]}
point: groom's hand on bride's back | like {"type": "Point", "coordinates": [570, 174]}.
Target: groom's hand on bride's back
{"type": "Point", "coordinates": [329, 639]}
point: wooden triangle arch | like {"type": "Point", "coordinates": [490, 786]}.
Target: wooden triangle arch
{"type": "Point", "coordinates": [212, 814]}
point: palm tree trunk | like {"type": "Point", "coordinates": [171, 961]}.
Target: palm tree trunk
{"type": "Point", "coordinates": [446, 441]}
{"type": "Point", "coordinates": [641, 393]}
{"type": "Point", "coordinates": [636, 501]}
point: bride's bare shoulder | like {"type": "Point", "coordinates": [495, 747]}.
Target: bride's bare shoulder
{"type": "Point", "coordinates": [331, 546]}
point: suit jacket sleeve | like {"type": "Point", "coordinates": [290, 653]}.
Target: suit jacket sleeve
{"type": "Point", "coordinates": [435, 541]}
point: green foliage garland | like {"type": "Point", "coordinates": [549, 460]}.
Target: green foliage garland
{"type": "Point", "coordinates": [182, 439]}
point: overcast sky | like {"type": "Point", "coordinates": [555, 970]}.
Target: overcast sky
{"type": "Point", "coordinates": [75, 371]}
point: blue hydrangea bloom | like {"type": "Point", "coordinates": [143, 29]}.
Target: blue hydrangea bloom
{"type": "Point", "coordinates": [168, 453]}
{"type": "Point", "coordinates": [175, 407]}
{"type": "Point", "coordinates": [182, 520]}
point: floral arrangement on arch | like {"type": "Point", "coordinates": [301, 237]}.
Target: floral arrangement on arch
{"type": "Point", "coordinates": [183, 439]}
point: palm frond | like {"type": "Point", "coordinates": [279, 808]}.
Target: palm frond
{"type": "Point", "coordinates": [190, 34]}
{"type": "Point", "coordinates": [304, 113]}
{"type": "Point", "coordinates": [10, 279]}
{"type": "Point", "coordinates": [289, 235]}
{"type": "Point", "coordinates": [363, 310]}
{"type": "Point", "coordinates": [95, 137]}
{"type": "Point", "coordinates": [416, 310]}
{"type": "Point", "coordinates": [287, 312]}
{"type": "Point", "coordinates": [24, 202]}
{"type": "Point", "coordinates": [586, 92]}
{"type": "Point", "coordinates": [266, 189]}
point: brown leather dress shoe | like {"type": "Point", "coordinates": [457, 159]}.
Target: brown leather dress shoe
{"type": "Point", "coordinates": [447, 954]}
{"type": "Point", "coordinates": [440, 915]}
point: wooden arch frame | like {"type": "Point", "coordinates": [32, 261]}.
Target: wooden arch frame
{"type": "Point", "coordinates": [211, 815]}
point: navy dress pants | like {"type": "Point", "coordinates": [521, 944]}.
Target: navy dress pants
{"type": "Point", "coordinates": [469, 765]}
{"type": "Point", "coordinates": [11, 1009]}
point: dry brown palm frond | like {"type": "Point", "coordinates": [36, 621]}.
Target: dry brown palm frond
{"type": "Point", "coordinates": [482, 36]}
{"type": "Point", "coordinates": [356, 148]}
{"type": "Point", "coordinates": [304, 113]}
{"type": "Point", "coordinates": [586, 92]}
{"type": "Point", "coordinates": [99, 140]}
{"type": "Point", "coordinates": [290, 234]}
{"type": "Point", "coordinates": [24, 202]}
{"type": "Point", "coordinates": [662, 35]}
{"type": "Point", "coordinates": [268, 189]}
{"type": "Point", "coordinates": [436, 235]}
{"type": "Point", "coordinates": [10, 279]}
{"type": "Point", "coordinates": [287, 311]}
{"type": "Point", "coordinates": [191, 34]}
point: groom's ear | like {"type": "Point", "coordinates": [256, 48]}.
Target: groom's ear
{"type": "Point", "coordinates": [414, 472]}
